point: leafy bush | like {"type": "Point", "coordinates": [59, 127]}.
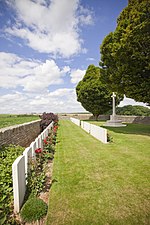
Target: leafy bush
{"type": "Point", "coordinates": [36, 177]}
{"type": "Point", "coordinates": [34, 209]}
{"type": "Point", "coordinates": [7, 156]}
{"type": "Point", "coordinates": [46, 119]}
{"type": "Point", "coordinates": [48, 156]}
{"type": "Point", "coordinates": [49, 148]}
{"type": "Point", "coordinates": [109, 138]}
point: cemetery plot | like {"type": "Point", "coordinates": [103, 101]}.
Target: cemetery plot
{"type": "Point", "coordinates": [98, 183]}
{"type": "Point", "coordinates": [96, 131]}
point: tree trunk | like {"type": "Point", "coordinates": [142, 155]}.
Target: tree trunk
{"type": "Point", "coordinates": [95, 116]}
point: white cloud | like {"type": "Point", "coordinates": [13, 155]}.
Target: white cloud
{"type": "Point", "coordinates": [66, 69]}
{"type": "Point", "coordinates": [32, 75]}
{"type": "Point", "coordinates": [60, 100]}
{"type": "Point", "coordinates": [85, 16]}
{"type": "Point", "coordinates": [14, 103]}
{"type": "Point", "coordinates": [61, 92]}
{"type": "Point", "coordinates": [90, 59]}
{"type": "Point", "coordinates": [77, 75]}
{"type": "Point", "coordinates": [43, 75]}
{"type": "Point", "coordinates": [13, 68]}
{"type": "Point", "coordinates": [35, 77]}
{"type": "Point", "coordinates": [50, 26]}
{"type": "Point", "coordinates": [130, 101]}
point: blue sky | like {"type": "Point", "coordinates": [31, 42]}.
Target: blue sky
{"type": "Point", "coordinates": [45, 49]}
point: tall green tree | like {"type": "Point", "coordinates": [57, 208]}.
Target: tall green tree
{"type": "Point", "coordinates": [125, 53]}
{"type": "Point", "coordinates": [94, 96]}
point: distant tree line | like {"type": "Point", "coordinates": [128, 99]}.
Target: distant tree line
{"type": "Point", "coordinates": [130, 110]}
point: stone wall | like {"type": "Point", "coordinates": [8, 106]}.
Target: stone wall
{"type": "Point", "coordinates": [22, 134]}
{"type": "Point", "coordinates": [125, 119]}
{"type": "Point", "coordinates": [67, 116]}
{"type": "Point", "coordinates": [135, 119]}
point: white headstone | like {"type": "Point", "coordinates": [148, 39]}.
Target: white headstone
{"type": "Point", "coordinates": [19, 182]}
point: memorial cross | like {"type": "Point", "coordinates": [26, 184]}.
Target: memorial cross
{"type": "Point", "coordinates": [113, 97]}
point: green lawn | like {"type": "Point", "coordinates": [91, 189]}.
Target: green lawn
{"type": "Point", "coordinates": [129, 129]}
{"type": "Point", "coordinates": [7, 120]}
{"type": "Point", "coordinates": [100, 184]}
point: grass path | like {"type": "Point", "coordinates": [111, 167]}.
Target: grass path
{"type": "Point", "coordinates": [99, 184]}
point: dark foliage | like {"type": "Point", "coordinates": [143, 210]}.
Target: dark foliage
{"type": "Point", "coordinates": [46, 119]}
{"type": "Point", "coordinates": [94, 96]}
{"type": "Point", "coordinates": [125, 53]}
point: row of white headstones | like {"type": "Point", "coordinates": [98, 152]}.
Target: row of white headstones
{"type": "Point", "coordinates": [21, 167]}
{"type": "Point", "coordinates": [96, 131]}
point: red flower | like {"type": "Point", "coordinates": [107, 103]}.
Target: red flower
{"type": "Point", "coordinates": [55, 129]}
{"type": "Point", "coordinates": [45, 141]}
{"type": "Point", "coordinates": [38, 150]}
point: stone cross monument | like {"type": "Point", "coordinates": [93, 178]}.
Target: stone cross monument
{"type": "Point", "coordinates": [114, 122]}
{"type": "Point", "coordinates": [114, 107]}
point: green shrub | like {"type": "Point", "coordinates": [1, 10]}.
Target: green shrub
{"type": "Point", "coordinates": [133, 110]}
{"type": "Point", "coordinates": [34, 209]}
{"type": "Point", "coordinates": [49, 148]}
{"type": "Point", "coordinates": [8, 154]}
{"type": "Point", "coordinates": [109, 138]}
{"type": "Point", "coordinates": [36, 177]}
{"type": "Point", "coordinates": [48, 156]}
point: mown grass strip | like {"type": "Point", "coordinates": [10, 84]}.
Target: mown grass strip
{"type": "Point", "coordinates": [95, 183]}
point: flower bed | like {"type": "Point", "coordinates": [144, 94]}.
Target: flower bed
{"type": "Point", "coordinates": [36, 176]}
{"type": "Point", "coordinates": [36, 181]}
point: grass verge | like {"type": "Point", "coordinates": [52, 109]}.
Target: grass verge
{"type": "Point", "coordinates": [97, 184]}
{"type": "Point", "coordinates": [7, 120]}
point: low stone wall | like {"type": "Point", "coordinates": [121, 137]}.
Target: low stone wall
{"type": "Point", "coordinates": [135, 119]}
{"type": "Point", "coordinates": [125, 119]}
{"type": "Point", "coordinates": [67, 116]}
{"type": "Point", "coordinates": [22, 134]}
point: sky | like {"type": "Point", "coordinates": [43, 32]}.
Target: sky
{"type": "Point", "coordinates": [45, 49]}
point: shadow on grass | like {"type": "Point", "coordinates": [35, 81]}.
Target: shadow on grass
{"type": "Point", "coordinates": [139, 129]}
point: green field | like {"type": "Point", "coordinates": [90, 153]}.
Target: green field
{"type": "Point", "coordinates": [99, 184]}
{"type": "Point", "coordinates": [7, 120]}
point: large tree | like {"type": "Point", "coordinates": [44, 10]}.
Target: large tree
{"type": "Point", "coordinates": [125, 53]}
{"type": "Point", "coordinates": [94, 96]}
